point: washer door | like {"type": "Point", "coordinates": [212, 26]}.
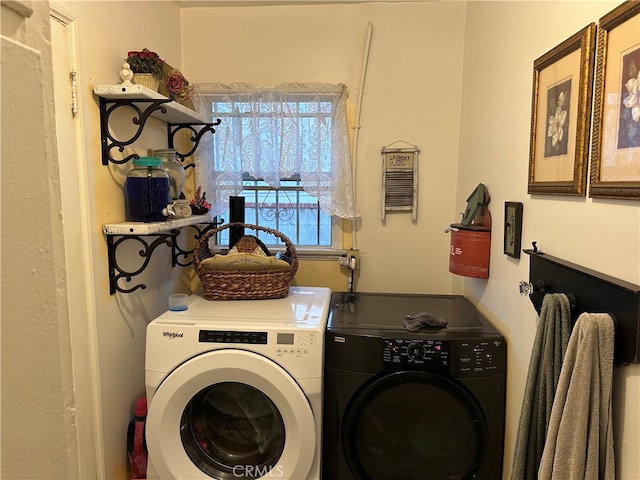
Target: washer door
{"type": "Point", "coordinates": [230, 414]}
{"type": "Point", "coordinates": [414, 425]}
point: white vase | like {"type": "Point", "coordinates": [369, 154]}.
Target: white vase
{"type": "Point", "coordinates": [147, 79]}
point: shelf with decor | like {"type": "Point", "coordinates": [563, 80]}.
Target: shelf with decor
{"type": "Point", "coordinates": [144, 103]}
{"type": "Point", "coordinates": [149, 236]}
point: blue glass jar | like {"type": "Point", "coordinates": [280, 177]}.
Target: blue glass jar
{"type": "Point", "coordinates": [146, 191]}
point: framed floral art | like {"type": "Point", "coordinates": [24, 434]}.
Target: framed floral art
{"type": "Point", "coordinates": [560, 116]}
{"type": "Point", "coordinates": [615, 147]}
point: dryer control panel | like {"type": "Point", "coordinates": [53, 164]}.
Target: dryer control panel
{"type": "Point", "coordinates": [463, 358]}
{"type": "Point", "coordinates": [406, 352]}
{"type": "Point", "coordinates": [479, 357]}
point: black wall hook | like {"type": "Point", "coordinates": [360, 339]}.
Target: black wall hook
{"type": "Point", "coordinates": [535, 291]}
{"type": "Point", "coordinates": [538, 290]}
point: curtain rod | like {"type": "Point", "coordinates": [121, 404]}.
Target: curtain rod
{"type": "Point", "coordinates": [310, 87]}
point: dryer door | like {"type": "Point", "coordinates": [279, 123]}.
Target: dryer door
{"type": "Point", "coordinates": [414, 424]}
{"type": "Point", "coordinates": [230, 414]}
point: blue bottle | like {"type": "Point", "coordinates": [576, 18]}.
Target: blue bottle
{"type": "Point", "coordinates": [146, 191]}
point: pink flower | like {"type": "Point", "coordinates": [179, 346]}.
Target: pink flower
{"type": "Point", "coordinates": [176, 82]}
{"type": "Point", "coordinates": [178, 86]}
{"type": "Point", "coordinates": [199, 204]}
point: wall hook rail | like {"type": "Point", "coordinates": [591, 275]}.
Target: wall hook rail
{"type": "Point", "coordinates": [591, 292]}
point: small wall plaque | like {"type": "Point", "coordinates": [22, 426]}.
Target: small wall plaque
{"type": "Point", "coordinates": [512, 228]}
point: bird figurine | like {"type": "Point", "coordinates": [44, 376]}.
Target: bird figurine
{"type": "Point", "coordinates": [126, 74]}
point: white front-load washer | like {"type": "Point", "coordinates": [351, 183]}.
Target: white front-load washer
{"type": "Point", "coordinates": [235, 388]}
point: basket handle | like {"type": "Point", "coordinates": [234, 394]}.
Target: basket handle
{"type": "Point", "coordinates": [203, 242]}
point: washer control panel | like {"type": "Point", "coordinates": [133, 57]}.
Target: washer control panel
{"type": "Point", "coordinates": [404, 352]}
{"type": "Point", "coordinates": [298, 343]}
{"type": "Point", "coordinates": [230, 336]}
{"type": "Point", "coordinates": [286, 343]}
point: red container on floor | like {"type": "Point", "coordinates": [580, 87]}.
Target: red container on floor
{"type": "Point", "coordinates": [136, 441]}
{"type": "Point", "coordinates": [470, 249]}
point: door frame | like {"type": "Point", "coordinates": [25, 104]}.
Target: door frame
{"type": "Point", "coordinates": [78, 259]}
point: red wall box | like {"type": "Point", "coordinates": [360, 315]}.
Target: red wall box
{"type": "Point", "coordinates": [470, 248]}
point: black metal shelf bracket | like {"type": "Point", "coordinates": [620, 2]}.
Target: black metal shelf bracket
{"type": "Point", "coordinates": [182, 257]}
{"type": "Point", "coordinates": [139, 118]}
{"type": "Point", "coordinates": [117, 272]}
{"type": "Point", "coordinates": [141, 110]}
{"type": "Point", "coordinates": [196, 136]}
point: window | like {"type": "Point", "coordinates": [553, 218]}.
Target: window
{"type": "Point", "coordinates": [288, 209]}
{"type": "Point", "coordinates": [286, 150]}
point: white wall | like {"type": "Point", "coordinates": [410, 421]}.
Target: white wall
{"type": "Point", "coordinates": [412, 94]}
{"type": "Point", "coordinates": [502, 41]}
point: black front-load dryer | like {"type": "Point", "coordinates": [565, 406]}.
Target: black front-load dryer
{"type": "Point", "coordinates": [403, 406]}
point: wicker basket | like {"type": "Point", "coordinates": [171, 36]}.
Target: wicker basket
{"type": "Point", "coordinates": [244, 285]}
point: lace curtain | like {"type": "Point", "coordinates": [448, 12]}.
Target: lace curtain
{"type": "Point", "coordinates": [274, 133]}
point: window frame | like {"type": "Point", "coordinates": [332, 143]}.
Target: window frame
{"type": "Point", "coordinates": [336, 225]}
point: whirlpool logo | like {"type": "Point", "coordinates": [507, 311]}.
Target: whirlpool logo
{"type": "Point", "coordinates": [172, 335]}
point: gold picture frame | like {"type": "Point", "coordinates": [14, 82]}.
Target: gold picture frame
{"type": "Point", "coordinates": [560, 116]}
{"type": "Point", "coordinates": [615, 147]}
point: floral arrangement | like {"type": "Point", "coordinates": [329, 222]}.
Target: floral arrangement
{"type": "Point", "coordinates": [199, 204]}
{"type": "Point", "coordinates": [557, 121]}
{"type": "Point", "coordinates": [632, 100]}
{"type": "Point", "coordinates": [145, 61]}
{"type": "Point", "coordinates": [178, 86]}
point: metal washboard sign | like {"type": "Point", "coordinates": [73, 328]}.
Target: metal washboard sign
{"type": "Point", "coordinates": [400, 179]}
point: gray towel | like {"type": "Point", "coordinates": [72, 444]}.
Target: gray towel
{"type": "Point", "coordinates": [579, 443]}
{"type": "Point", "coordinates": [420, 320]}
{"type": "Point", "coordinates": [549, 347]}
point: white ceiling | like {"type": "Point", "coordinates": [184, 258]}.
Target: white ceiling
{"type": "Point", "coordinates": [246, 3]}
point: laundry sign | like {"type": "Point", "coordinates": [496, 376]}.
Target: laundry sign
{"type": "Point", "coordinates": [400, 180]}
{"type": "Point", "coordinates": [400, 160]}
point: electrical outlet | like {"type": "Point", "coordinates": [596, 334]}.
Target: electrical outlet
{"type": "Point", "coordinates": [354, 259]}
{"type": "Point", "coordinates": [351, 260]}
